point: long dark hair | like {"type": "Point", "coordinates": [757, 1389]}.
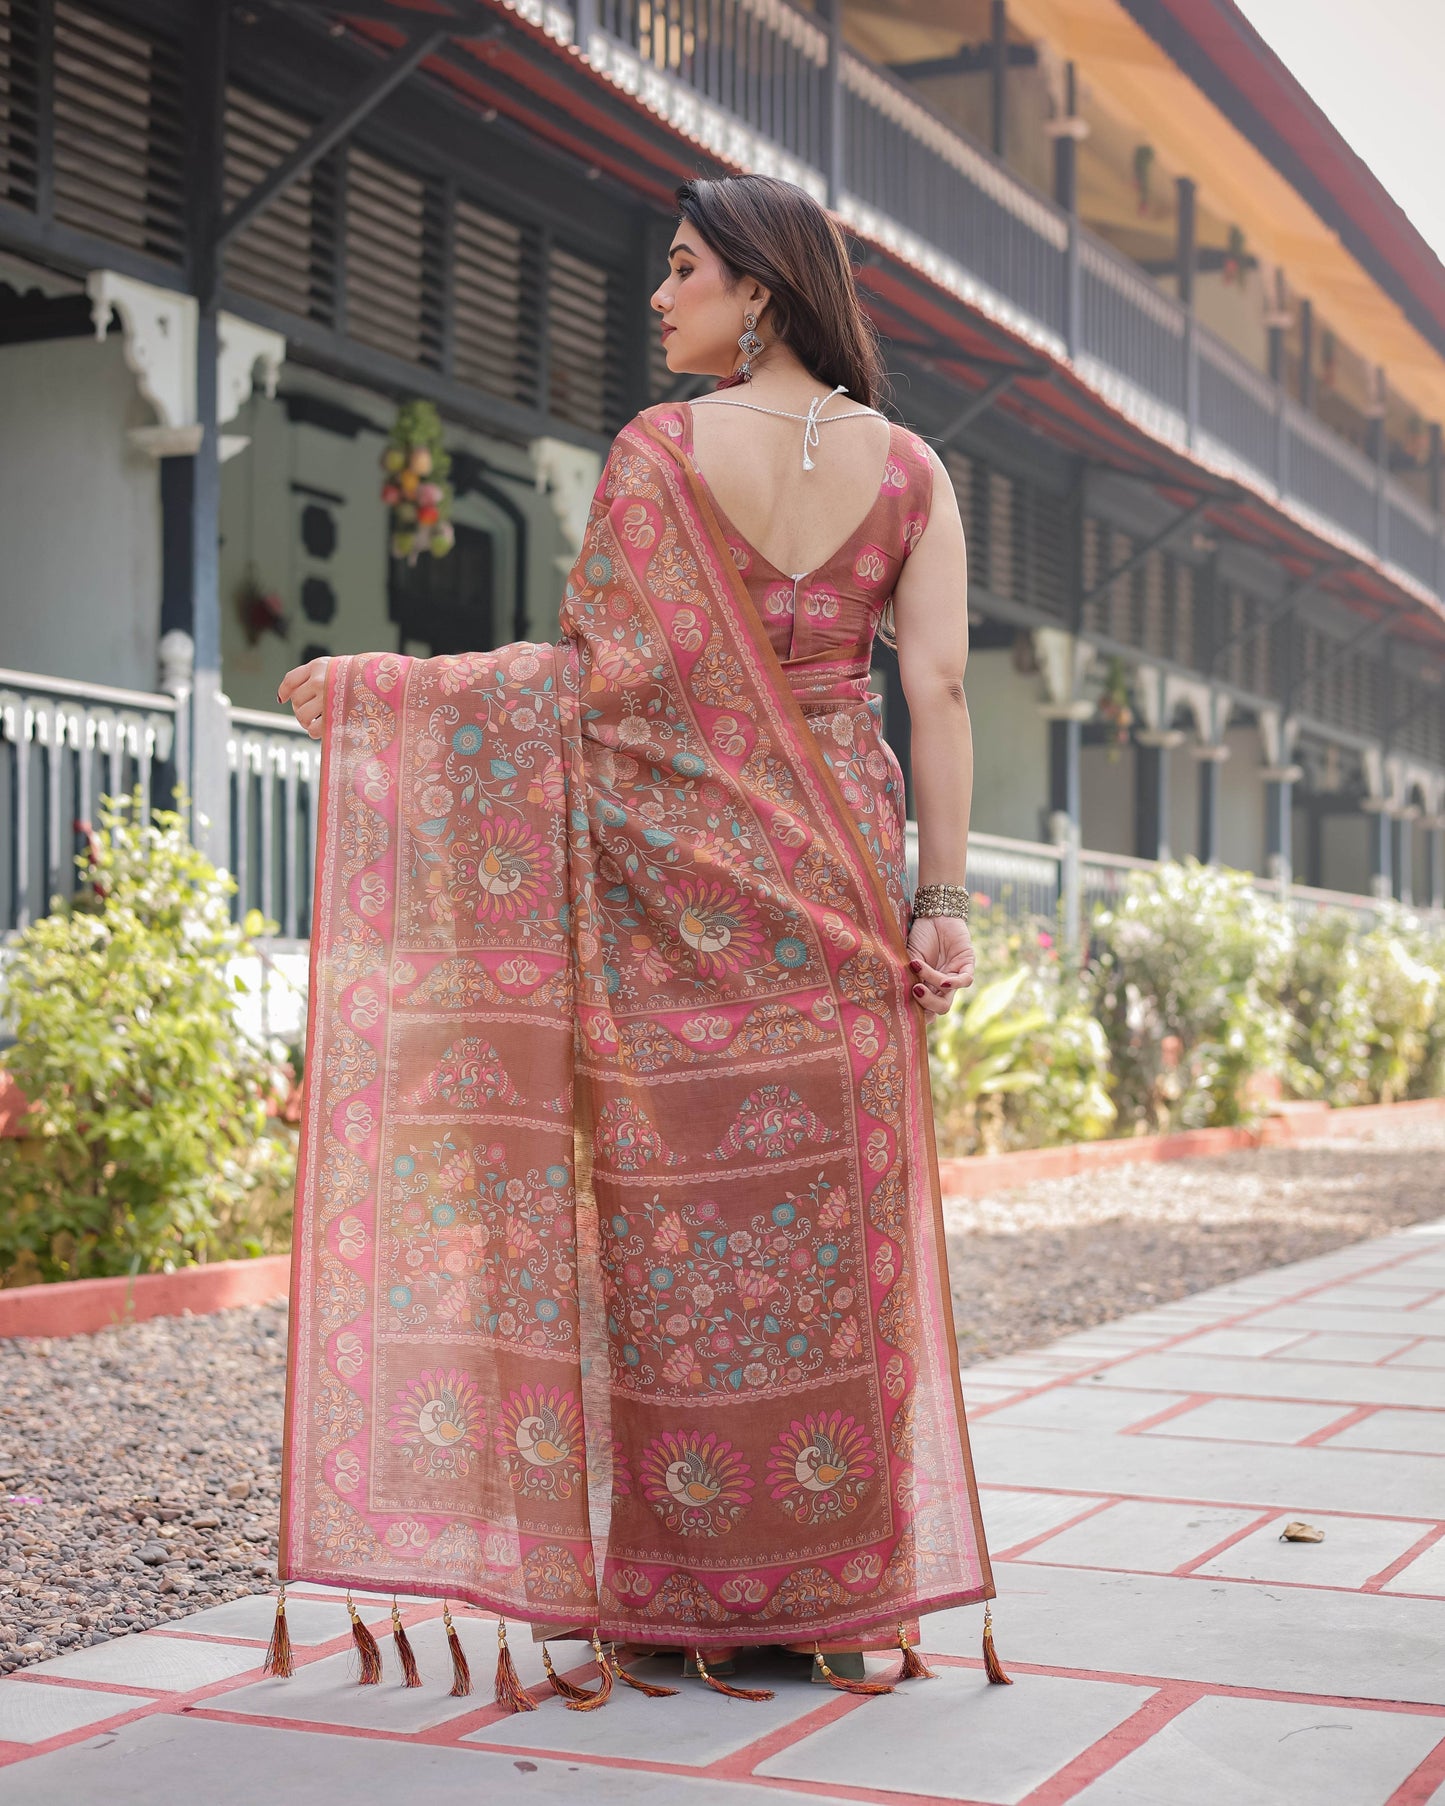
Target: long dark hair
{"type": "Point", "coordinates": [778, 234]}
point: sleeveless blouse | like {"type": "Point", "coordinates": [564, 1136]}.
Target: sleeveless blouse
{"type": "Point", "coordinates": [822, 625]}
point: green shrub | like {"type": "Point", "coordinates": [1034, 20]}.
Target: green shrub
{"type": "Point", "coordinates": [1188, 971]}
{"type": "Point", "coordinates": [1019, 1061]}
{"type": "Point", "coordinates": [1328, 1001]}
{"type": "Point", "coordinates": [150, 1144]}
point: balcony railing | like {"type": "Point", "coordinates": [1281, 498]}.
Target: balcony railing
{"type": "Point", "coordinates": [750, 79]}
{"type": "Point", "coordinates": [64, 746]}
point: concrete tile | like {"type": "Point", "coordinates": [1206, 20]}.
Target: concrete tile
{"type": "Point", "coordinates": [958, 1738]}
{"type": "Point", "coordinates": [1354, 1551]}
{"type": "Point", "coordinates": [155, 1661]}
{"type": "Point", "coordinates": [1313, 1318]}
{"type": "Point", "coordinates": [1381, 1294]}
{"type": "Point", "coordinates": [326, 1692]}
{"type": "Point", "coordinates": [688, 1729]}
{"type": "Point", "coordinates": [1426, 1574]}
{"type": "Point", "coordinates": [158, 1760]}
{"type": "Point", "coordinates": [1248, 1420]}
{"type": "Point", "coordinates": [31, 1712]}
{"type": "Point", "coordinates": [1074, 1408]}
{"type": "Point", "coordinates": [1141, 1536]}
{"type": "Point", "coordinates": [1253, 1752]}
{"type": "Point", "coordinates": [1246, 1340]}
{"type": "Point", "coordinates": [1213, 1473]}
{"type": "Point", "coordinates": [311, 1620]}
{"type": "Point", "coordinates": [975, 1395]}
{"type": "Point", "coordinates": [1412, 1432]}
{"type": "Point", "coordinates": [1285, 1639]}
{"type": "Point", "coordinates": [1429, 1353]}
{"type": "Point", "coordinates": [1176, 1370]}
{"type": "Point", "coordinates": [1358, 1350]}
{"type": "Point", "coordinates": [1010, 1518]}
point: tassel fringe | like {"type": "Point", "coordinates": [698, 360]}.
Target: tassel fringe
{"type": "Point", "coordinates": [914, 1667]}
{"type": "Point", "coordinates": [278, 1652]}
{"type": "Point", "coordinates": [461, 1673]}
{"type": "Point", "coordinates": [836, 1680]}
{"type": "Point", "coordinates": [564, 1689]}
{"type": "Point", "coordinates": [509, 1690]}
{"type": "Point", "coordinates": [722, 1686]}
{"type": "Point", "coordinates": [992, 1667]}
{"type": "Point", "coordinates": [365, 1646]}
{"type": "Point", "coordinates": [631, 1680]}
{"type": "Point", "coordinates": [401, 1643]}
{"type": "Point", "coordinates": [588, 1702]}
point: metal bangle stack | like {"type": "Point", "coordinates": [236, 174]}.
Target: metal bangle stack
{"type": "Point", "coordinates": [940, 900]}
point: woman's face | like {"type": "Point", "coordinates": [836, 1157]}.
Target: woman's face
{"type": "Point", "coordinates": [701, 313]}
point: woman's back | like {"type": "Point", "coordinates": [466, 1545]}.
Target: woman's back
{"type": "Point", "coordinates": [752, 462]}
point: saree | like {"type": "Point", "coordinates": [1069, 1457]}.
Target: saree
{"type": "Point", "coordinates": [619, 1290]}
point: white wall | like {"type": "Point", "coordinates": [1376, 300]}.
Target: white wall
{"type": "Point", "coordinates": [79, 516]}
{"type": "Point", "coordinates": [261, 510]}
{"type": "Point", "coordinates": [1010, 748]}
{"type": "Point", "coordinates": [1107, 799]}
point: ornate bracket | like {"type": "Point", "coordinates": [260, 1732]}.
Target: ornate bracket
{"type": "Point", "coordinates": [1064, 661]}
{"type": "Point", "coordinates": [159, 338]}
{"type": "Point", "coordinates": [568, 474]}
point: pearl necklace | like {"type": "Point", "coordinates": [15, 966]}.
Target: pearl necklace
{"type": "Point", "coordinates": [812, 418]}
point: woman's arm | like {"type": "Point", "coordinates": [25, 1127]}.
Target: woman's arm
{"type": "Point", "coordinates": [930, 608]}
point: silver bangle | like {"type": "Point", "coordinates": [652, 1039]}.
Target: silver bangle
{"type": "Point", "coordinates": [940, 900]}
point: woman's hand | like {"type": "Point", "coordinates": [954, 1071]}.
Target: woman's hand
{"type": "Point", "coordinates": [305, 689]}
{"type": "Point", "coordinates": [940, 956]}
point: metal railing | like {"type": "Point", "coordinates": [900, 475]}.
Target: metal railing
{"type": "Point", "coordinates": [751, 80]}
{"type": "Point", "coordinates": [65, 745]}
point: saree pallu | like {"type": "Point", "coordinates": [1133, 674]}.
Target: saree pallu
{"type": "Point", "coordinates": [619, 1294]}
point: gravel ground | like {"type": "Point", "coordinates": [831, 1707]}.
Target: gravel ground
{"type": "Point", "coordinates": [140, 1468]}
{"type": "Point", "coordinates": [1064, 1254]}
{"type": "Point", "coordinates": [139, 1476]}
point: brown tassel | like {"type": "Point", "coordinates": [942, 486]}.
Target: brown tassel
{"type": "Point", "coordinates": [278, 1652]}
{"type": "Point", "coordinates": [565, 1689]}
{"type": "Point", "coordinates": [366, 1647]}
{"type": "Point", "coordinates": [991, 1664]}
{"type": "Point", "coordinates": [914, 1667]}
{"type": "Point", "coordinates": [401, 1643]}
{"type": "Point", "coordinates": [631, 1680]}
{"type": "Point", "coordinates": [588, 1702]}
{"type": "Point", "coordinates": [722, 1686]}
{"type": "Point", "coordinates": [461, 1673]}
{"type": "Point", "coordinates": [836, 1680]}
{"type": "Point", "coordinates": [509, 1690]}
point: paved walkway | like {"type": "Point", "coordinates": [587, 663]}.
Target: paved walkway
{"type": "Point", "coordinates": [1168, 1648]}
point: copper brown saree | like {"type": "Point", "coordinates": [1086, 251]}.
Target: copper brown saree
{"type": "Point", "coordinates": [619, 1293]}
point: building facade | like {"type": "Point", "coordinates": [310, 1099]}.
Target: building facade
{"type": "Point", "coordinates": [1184, 359]}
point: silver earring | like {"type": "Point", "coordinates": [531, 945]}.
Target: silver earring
{"type": "Point", "coordinates": [750, 345]}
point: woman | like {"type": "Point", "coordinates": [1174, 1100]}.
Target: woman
{"type": "Point", "coordinates": [621, 1304]}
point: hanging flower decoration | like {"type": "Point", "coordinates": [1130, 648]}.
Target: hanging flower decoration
{"type": "Point", "coordinates": [261, 611]}
{"type": "Point", "coordinates": [415, 485]}
{"type": "Point", "coordinates": [1417, 440]}
{"type": "Point", "coordinates": [1114, 706]}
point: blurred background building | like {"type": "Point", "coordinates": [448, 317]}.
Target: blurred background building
{"type": "Point", "coordinates": [1183, 356]}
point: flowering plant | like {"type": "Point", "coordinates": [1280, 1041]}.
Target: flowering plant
{"type": "Point", "coordinates": [414, 485]}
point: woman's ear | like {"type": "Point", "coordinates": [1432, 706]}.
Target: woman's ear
{"type": "Point", "coordinates": [756, 296]}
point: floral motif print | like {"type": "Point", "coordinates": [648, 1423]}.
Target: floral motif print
{"type": "Point", "coordinates": [717, 927]}
{"type": "Point", "coordinates": [437, 1421]}
{"type": "Point", "coordinates": [540, 1442]}
{"type": "Point", "coordinates": [506, 873]}
{"type": "Point", "coordinates": [695, 1307]}
{"type": "Point", "coordinates": [818, 1469]}
{"type": "Point", "coordinates": [697, 1483]}
{"type": "Point", "coordinates": [772, 1123]}
{"type": "Point", "coordinates": [469, 1074]}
